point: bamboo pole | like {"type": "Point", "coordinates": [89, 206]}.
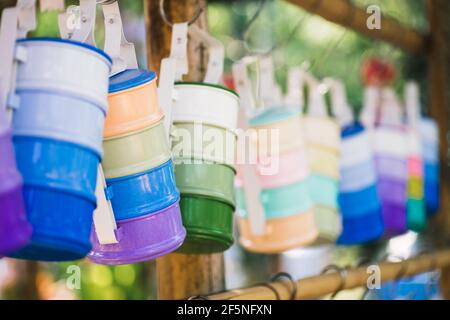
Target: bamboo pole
{"type": "Point", "coordinates": [179, 275]}
{"type": "Point", "coordinates": [344, 13]}
{"type": "Point", "coordinates": [439, 97]}
{"type": "Point", "coordinates": [319, 286]}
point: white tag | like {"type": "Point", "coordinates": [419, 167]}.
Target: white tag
{"type": "Point", "coordinates": [104, 221]}
{"type": "Point", "coordinates": [252, 189]}
{"type": "Point", "coordinates": [16, 22]}
{"type": "Point", "coordinates": [295, 82]}
{"type": "Point", "coordinates": [78, 22]}
{"type": "Point", "coordinates": [179, 48]}
{"type": "Point", "coordinates": [165, 90]}
{"type": "Point", "coordinates": [51, 5]}
{"type": "Point", "coordinates": [122, 52]}
{"type": "Point", "coordinates": [216, 54]}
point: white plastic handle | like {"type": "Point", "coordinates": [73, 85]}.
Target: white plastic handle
{"type": "Point", "coordinates": [16, 22]}
{"type": "Point", "coordinates": [252, 189]}
{"type": "Point", "coordinates": [78, 23]}
{"type": "Point", "coordinates": [391, 108]}
{"type": "Point", "coordinates": [295, 83]}
{"type": "Point", "coordinates": [51, 5]}
{"type": "Point", "coordinates": [122, 52]}
{"type": "Point", "coordinates": [372, 101]}
{"type": "Point", "coordinates": [171, 68]}
{"type": "Point", "coordinates": [104, 221]}
{"type": "Point", "coordinates": [216, 53]}
{"type": "Point", "coordinates": [178, 49]}
{"type": "Point", "coordinates": [316, 100]}
{"type": "Point", "coordinates": [269, 90]}
{"type": "Point", "coordinates": [339, 103]}
{"type": "Point", "coordinates": [412, 103]}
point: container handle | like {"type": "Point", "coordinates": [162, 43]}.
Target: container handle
{"type": "Point", "coordinates": [172, 68]}
{"type": "Point", "coordinates": [104, 221]}
{"type": "Point", "coordinates": [216, 53]}
{"type": "Point", "coordinates": [370, 106]}
{"type": "Point", "coordinates": [316, 100]}
{"type": "Point", "coordinates": [51, 5]}
{"type": "Point", "coordinates": [252, 188]}
{"type": "Point", "coordinates": [16, 22]}
{"type": "Point", "coordinates": [269, 90]}
{"type": "Point", "coordinates": [295, 82]}
{"type": "Point", "coordinates": [412, 103]}
{"type": "Point", "coordinates": [122, 52]}
{"type": "Point", "coordinates": [339, 103]}
{"type": "Point", "coordinates": [78, 22]}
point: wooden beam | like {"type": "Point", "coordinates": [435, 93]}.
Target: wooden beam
{"type": "Point", "coordinates": [319, 286]}
{"type": "Point", "coordinates": [344, 13]}
{"type": "Point", "coordinates": [439, 97]}
{"type": "Point", "coordinates": [181, 276]}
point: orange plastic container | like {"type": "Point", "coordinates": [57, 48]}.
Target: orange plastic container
{"type": "Point", "coordinates": [132, 102]}
{"type": "Point", "coordinates": [281, 234]}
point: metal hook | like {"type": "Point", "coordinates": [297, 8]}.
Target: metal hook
{"type": "Point", "coordinates": [190, 22]}
{"type": "Point", "coordinates": [281, 275]}
{"type": "Point", "coordinates": [272, 288]}
{"type": "Point", "coordinates": [198, 298]}
{"type": "Point", "coordinates": [343, 273]}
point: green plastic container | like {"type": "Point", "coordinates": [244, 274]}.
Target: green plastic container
{"type": "Point", "coordinates": [204, 142]}
{"type": "Point", "coordinates": [209, 225]}
{"type": "Point", "coordinates": [211, 181]}
{"type": "Point", "coordinates": [416, 215]}
{"type": "Point", "coordinates": [135, 152]}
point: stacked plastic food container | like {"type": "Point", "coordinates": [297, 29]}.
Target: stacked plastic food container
{"type": "Point", "coordinates": [204, 150]}
{"type": "Point", "coordinates": [282, 171]}
{"type": "Point", "coordinates": [358, 198]}
{"type": "Point", "coordinates": [391, 151]}
{"type": "Point", "coordinates": [416, 213]}
{"type": "Point", "coordinates": [323, 146]}
{"type": "Point", "coordinates": [57, 126]}
{"type": "Point", "coordinates": [139, 174]}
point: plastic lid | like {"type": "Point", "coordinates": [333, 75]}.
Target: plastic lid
{"type": "Point", "coordinates": [129, 79]}
{"type": "Point", "coordinates": [274, 114]}
{"type": "Point", "coordinates": [72, 42]}
{"type": "Point", "coordinates": [205, 84]}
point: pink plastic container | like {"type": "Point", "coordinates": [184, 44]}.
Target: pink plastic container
{"type": "Point", "coordinates": [292, 168]}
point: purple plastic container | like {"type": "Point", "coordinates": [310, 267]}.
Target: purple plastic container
{"type": "Point", "coordinates": [391, 167]}
{"type": "Point", "coordinates": [15, 231]}
{"type": "Point", "coordinates": [394, 217]}
{"type": "Point", "coordinates": [392, 190]}
{"type": "Point", "coordinates": [143, 238]}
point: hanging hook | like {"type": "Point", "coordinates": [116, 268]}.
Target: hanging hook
{"type": "Point", "coordinates": [343, 273]}
{"type": "Point", "coordinates": [194, 18]}
{"type": "Point", "coordinates": [279, 276]}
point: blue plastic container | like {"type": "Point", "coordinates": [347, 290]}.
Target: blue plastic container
{"type": "Point", "coordinates": [140, 194]}
{"type": "Point", "coordinates": [365, 228]}
{"type": "Point", "coordinates": [357, 204]}
{"type": "Point", "coordinates": [59, 193]}
{"type": "Point", "coordinates": [358, 177]}
{"type": "Point", "coordinates": [60, 117]}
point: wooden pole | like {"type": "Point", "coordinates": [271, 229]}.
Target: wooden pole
{"type": "Point", "coordinates": [319, 286]}
{"type": "Point", "coordinates": [439, 97]}
{"type": "Point", "coordinates": [344, 13]}
{"type": "Point", "coordinates": [181, 276]}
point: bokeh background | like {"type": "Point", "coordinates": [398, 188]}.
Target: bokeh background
{"type": "Point", "coordinates": [295, 38]}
